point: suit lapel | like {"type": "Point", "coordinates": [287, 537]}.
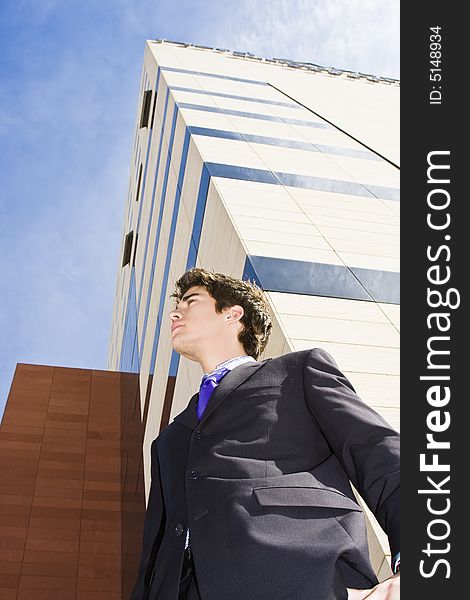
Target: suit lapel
{"type": "Point", "coordinates": [229, 383]}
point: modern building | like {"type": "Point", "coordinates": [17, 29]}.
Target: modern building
{"type": "Point", "coordinates": [280, 172]}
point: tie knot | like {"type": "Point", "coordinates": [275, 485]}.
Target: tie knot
{"type": "Point", "coordinates": [208, 380]}
{"type": "Point", "coordinates": [214, 377]}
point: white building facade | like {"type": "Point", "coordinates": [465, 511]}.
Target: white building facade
{"type": "Point", "coordinates": [283, 173]}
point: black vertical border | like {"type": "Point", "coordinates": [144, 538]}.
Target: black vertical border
{"type": "Point", "coordinates": [425, 128]}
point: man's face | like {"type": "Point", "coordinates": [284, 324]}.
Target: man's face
{"type": "Point", "coordinates": [195, 324]}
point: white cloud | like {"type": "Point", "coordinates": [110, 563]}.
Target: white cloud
{"type": "Point", "coordinates": [355, 34]}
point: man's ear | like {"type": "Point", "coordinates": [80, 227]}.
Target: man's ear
{"type": "Point", "coordinates": [234, 313]}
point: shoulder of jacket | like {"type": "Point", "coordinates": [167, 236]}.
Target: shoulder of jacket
{"type": "Point", "coordinates": [164, 433]}
{"type": "Point", "coordinates": [298, 356]}
{"type": "Point", "coordinates": [161, 436]}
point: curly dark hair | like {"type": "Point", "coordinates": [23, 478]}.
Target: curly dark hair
{"type": "Point", "coordinates": [228, 291]}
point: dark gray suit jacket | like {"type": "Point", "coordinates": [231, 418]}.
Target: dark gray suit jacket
{"type": "Point", "coordinates": [262, 481]}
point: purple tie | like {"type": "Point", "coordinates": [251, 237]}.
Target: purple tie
{"type": "Point", "coordinates": [208, 385]}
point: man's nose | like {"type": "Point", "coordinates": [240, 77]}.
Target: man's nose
{"type": "Point", "coordinates": [174, 315]}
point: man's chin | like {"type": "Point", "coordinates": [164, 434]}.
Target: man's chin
{"type": "Point", "coordinates": [183, 350]}
{"type": "Point", "coordinates": [179, 346]}
{"type": "Point", "coordinates": [176, 346]}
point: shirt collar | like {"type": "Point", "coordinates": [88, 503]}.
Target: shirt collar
{"type": "Point", "coordinates": [231, 363]}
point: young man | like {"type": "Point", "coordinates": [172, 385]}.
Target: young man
{"type": "Point", "coordinates": [250, 496]}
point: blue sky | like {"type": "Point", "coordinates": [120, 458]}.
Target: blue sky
{"type": "Point", "coordinates": [69, 80]}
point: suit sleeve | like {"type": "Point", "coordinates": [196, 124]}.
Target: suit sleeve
{"type": "Point", "coordinates": [154, 525]}
{"type": "Point", "coordinates": [364, 443]}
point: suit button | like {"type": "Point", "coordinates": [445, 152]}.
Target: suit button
{"type": "Point", "coordinates": [198, 435]}
{"type": "Point", "coordinates": [193, 475]}
{"type": "Point", "coordinates": [179, 529]}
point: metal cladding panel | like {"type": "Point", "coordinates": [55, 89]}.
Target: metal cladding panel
{"type": "Point", "coordinates": [72, 491]}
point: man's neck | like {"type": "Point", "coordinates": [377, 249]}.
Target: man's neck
{"type": "Point", "coordinates": [209, 363]}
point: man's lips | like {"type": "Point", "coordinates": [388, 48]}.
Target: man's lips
{"type": "Point", "coordinates": [176, 326]}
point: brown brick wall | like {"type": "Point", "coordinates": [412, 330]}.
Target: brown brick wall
{"type": "Point", "coordinates": [71, 485]}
